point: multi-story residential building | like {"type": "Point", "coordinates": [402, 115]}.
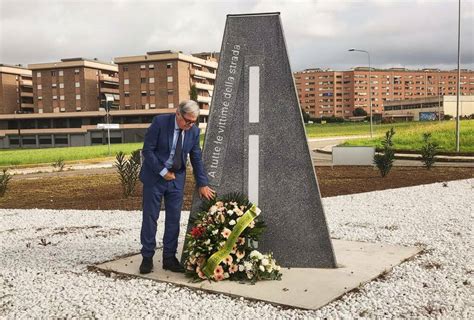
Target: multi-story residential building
{"type": "Point", "coordinates": [72, 85]}
{"type": "Point", "coordinates": [161, 79]}
{"type": "Point", "coordinates": [16, 91]}
{"type": "Point", "coordinates": [338, 93]}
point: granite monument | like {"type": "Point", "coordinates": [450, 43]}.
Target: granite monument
{"type": "Point", "coordinates": [256, 143]}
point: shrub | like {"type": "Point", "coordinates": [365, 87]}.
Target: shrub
{"type": "Point", "coordinates": [447, 117]}
{"type": "Point", "coordinates": [384, 160]}
{"type": "Point", "coordinates": [358, 112]}
{"type": "Point", "coordinates": [5, 177]}
{"type": "Point", "coordinates": [58, 164]}
{"type": "Point", "coordinates": [428, 151]}
{"type": "Point", "coordinates": [128, 170]}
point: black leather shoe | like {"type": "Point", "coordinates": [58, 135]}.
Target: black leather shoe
{"type": "Point", "coordinates": [147, 265]}
{"type": "Point", "coordinates": [172, 264]}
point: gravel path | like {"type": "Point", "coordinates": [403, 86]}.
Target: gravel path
{"type": "Point", "coordinates": [44, 254]}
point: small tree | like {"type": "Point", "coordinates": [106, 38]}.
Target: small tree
{"type": "Point", "coordinates": [384, 160]}
{"type": "Point", "coordinates": [359, 112]}
{"type": "Point", "coordinates": [193, 93]}
{"type": "Point", "coordinates": [128, 170]}
{"type": "Point", "coordinates": [305, 116]}
{"type": "Point", "coordinates": [5, 177]}
{"type": "Point", "coordinates": [428, 151]}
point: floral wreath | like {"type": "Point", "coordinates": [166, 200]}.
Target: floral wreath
{"type": "Point", "coordinates": [221, 243]}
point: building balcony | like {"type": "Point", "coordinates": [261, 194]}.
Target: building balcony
{"type": "Point", "coordinates": [104, 77]}
{"type": "Point", "coordinates": [27, 105]}
{"type": "Point", "coordinates": [203, 86]}
{"type": "Point", "coordinates": [203, 74]}
{"type": "Point", "coordinates": [204, 99]}
{"type": "Point", "coordinates": [26, 83]}
{"type": "Point", "coordinates": [109, 90]}
{"type": "Point", "coordinates": [26, 94]}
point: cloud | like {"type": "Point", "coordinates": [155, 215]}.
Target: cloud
{"type": "Point", "coordinates": [318, 33]}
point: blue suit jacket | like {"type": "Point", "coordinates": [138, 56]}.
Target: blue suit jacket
{"type": "Point", "coordinates": [157, 147]}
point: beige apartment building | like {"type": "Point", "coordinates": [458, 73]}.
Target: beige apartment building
{"type": "Point", "coordinates": [161, 79]}
{"type": "Point", "coordinates": [337, 93]}
{"type": "Point", "coordinates": [16, 90]}
{"type": "Point", "coordinates": [72, 85]}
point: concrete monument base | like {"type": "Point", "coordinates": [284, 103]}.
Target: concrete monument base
{"type": "Point", "coordinates": [306, 288]}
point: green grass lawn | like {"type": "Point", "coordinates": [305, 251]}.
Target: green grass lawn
{"type": "Point", "coordinates": [50, 155]}
{"type": "Point", "coordinates": [410, 137]}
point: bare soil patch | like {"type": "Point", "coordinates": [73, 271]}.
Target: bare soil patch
{"type": "Point", "coordinates": [103, 191]}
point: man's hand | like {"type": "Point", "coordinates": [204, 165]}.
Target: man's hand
{"type": "Point", "coordinates": [207, 192]}
{"type": "Point", "coordinates": [169, 176]}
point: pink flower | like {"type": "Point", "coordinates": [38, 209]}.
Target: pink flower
{"type": "Point", "coordinates": [240, 254]}
{"type": "Point", "coordinates": [226, 233]}
{"type": "Point", "coordinates": [228, 260]}
{"type": "Point", "coordinates": [219, 273]}
{"type": "Point", "coordinates": [200, 273]}
{"type": "Point", "coordinates": [233, 268]}
{"type": "Point", "coordinates": [241, 241]}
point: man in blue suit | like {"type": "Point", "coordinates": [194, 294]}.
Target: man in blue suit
{"type": "Point", "coordinates": [168, 141]}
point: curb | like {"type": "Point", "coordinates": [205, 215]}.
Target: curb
{"type": "Point", "coordinates": [405, 156]}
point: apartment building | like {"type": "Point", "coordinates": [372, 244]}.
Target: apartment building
{"type": "Point", "coordinates": [338, 93]}
{"type": "Point", "coordinates": [16, 90]}
{"type": "Point", "coordinates": [73, 85]}
{"type": "Point", "coordinates": [161, 79]}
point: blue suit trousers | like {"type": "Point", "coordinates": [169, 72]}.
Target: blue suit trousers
{"type": "Point", "coordinates": [152, 197]}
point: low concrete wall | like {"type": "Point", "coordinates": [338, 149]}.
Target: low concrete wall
{"type": "Point", "coordinates": [353, 156]}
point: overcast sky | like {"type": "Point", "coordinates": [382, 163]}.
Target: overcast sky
{"type": "Point", "coordinates": [397, 33]}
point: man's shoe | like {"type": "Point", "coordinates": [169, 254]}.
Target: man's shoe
{"type": "Point", "coordinates": [147, 265]}
{"type": "Point", "coordinates": [172, 264]}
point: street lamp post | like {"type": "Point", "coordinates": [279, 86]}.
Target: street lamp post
{"type": "Point", "coordinates": [459, 77]}
{"type": "Point", "coordinates": [370, 90]}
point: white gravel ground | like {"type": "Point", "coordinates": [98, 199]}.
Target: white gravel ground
{"type": "Point", "coordinates": [44, 254]}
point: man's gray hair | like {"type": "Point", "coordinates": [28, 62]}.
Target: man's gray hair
{"type": "Point", "coordinates": [189, 107]}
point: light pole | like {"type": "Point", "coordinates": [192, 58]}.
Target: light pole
{"type": "Point", "coordinates": [370, 91]}
{"type": "Point", "coordinates": [459, 77]}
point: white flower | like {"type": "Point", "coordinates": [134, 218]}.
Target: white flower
{"type": "Point", "coordinates": [207, 242]}
{"type": "Point", "coordinates": [241, 267]}
{"type": "Point", "coordinates": [231, 222]}
{"type": "Point", "coordinates": [212, 210]}
{"type": "Point", "coordinates": [269, 268]}
{"type": "Point", "coordinates": [247, 265]}
{"type": "Point", "coordinates": [230, 212]}
{"type": "Point", "coordinates": [226, 275]}
{"type": "Point", "coordinates": [264, 261]}
{"type": "Point", "coordinates": [255, 254]}
{"type": "Point", "coordinates": [277, 268]}
{"type": "Point", "coordinates": [262, 268]}
{"type": "Point", "coordinates": [215, 231]}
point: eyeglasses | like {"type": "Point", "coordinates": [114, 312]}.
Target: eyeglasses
{"type": "Point", "coordinates": [187, 121]}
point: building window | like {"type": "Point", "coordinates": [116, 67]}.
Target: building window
{"type": "Point", "coordinates": [54, 85]}
{"type": "Point", "coordinates": [170, 92]}
{"type": "Point", "coordinates": [152, 105]}
{"type": "Point", "coordinates": [126, 81]}
{"type": "Point", "coordinates": [125, 68]}
{"type": "Point", "coordinates": [77, 84]}
{"type": "Point", "coordinates": [38, 74]}
{"type": "Point", "coordinates": [142, 80]}
{"type": "Point", "coordinates": [170, 78]}
{"type": "Point", "coordinates": [143, 93]}
{"type": "Point", "coordinates": [76, 71]}
{"type": "Point", "coordinates": [61, 73]}
{"type": "Point", "coordinates": [151, 80]}
{"type": "Point", "coordinates": [53, 73]}
{"type": "Point", "coordinates": [126, 94]}
{"type": "Point", "coordinates": [169, 65]}
{"type": "Point", "coordinates": [61, 85]}
{"type": "Point", "coordinates": [78, 97]}
{"type": "Point", "coordinates": [142, 66]}
{"type": "Point", "coordinates": [61, 97]}
{"type": "Point", "coordinates": [170, 105]}
{"type": "Point", "coordinates": [39, 87]}
{"type": "Point", "coordinates": [151, 66]}
{"type": "Point", "coordinates": [152, 92]}
{"type": "Point", "coordinates": [55, 97]}
{"type": "Point", "coordinates": [40, 98]}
